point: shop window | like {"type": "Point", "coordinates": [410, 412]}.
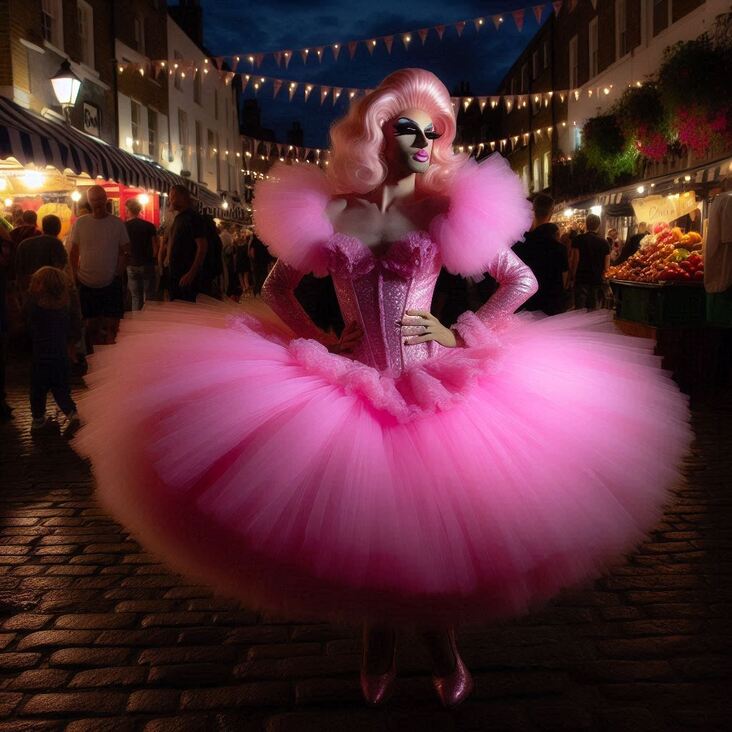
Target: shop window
{"type": "Point", "coordinates": [197, 86]}
{"type": "Point", "coordinates": [152, 133]}
{"type": "Point", "coordinates": [52, 22]}
{"type": "Point", "coordinates": [594, 48]}
{"type": "Point", "coordinates": [85, 28]}
{"type": "Point", "coordinates": [661, 15]}
{"type": "Point", "coordinates": [547, 168]}
{"type": "Point", "coordinates": [535, 64]}
{"type": "Point", "coordinates": [621, 29]}
{"type": "Point", "coordinates": [183, 137]}
{"type": "Point", "coordinates": [211, 145]}
{"type": "Point", "coordinates": [199, 151]}
{"type": "Point", "coordinates": [536, 170]}
{"type": "Point", "coordinates": [177, 78]}
{"type": "Point", "coordinates": [573, 63]}
{"type": "Point", "coordinates": [139, 27]}
{"type": "Point", "coordinates": [135, 117]}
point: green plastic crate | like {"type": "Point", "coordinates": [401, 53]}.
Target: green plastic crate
{"type": "Point", "coordinates": [660, 304]}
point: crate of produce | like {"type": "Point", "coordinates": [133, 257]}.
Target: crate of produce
{"type": "Point", "coordinates": [660, 304]}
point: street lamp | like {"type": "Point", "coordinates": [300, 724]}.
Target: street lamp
{"type": "Point", "coordinates": [66, 86]}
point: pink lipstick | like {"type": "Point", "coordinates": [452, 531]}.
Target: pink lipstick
{"type": "Point", "coordinates": [421, 156]}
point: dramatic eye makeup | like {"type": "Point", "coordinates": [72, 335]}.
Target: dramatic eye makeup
{"type": "Point", "coordinates": [406, 126]}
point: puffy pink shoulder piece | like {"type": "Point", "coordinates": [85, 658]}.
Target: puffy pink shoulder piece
{"type": "Point", "coordinates": [289, 216]}
{"type": "Point", "coordinates": [487, 214]}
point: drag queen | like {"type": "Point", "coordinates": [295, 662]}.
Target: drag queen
{"type": "Point", "coordinates": [405, 473]}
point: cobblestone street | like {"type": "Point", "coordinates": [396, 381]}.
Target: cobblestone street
{"type": "Point", "coordinates": [97, 635]}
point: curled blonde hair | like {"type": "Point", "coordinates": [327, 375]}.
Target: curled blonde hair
{"type": "Point", "coordinates": [358, 164]}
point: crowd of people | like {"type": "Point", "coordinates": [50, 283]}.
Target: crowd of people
{"type": "Point", "coordinates": [63, 298]}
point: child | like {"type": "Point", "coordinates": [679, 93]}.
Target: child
{"type": "Point", "coordinates": [54, 326]}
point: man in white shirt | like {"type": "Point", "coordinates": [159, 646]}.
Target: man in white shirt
{"type": "Point", "coordinates": [99, 245]}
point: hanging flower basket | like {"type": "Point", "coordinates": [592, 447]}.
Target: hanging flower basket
{"type": "Point", "coordinates": [644, 121]}
{"type": "Point", "coordinates": [606, 147]}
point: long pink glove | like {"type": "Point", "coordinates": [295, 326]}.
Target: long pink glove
{"type": "Point", "coordinates": [278, 291]}
{"type": "Point", "coordinates": [516, 284]}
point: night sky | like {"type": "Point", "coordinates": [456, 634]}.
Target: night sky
{"type": "Point", "coordinates": [270, 25]}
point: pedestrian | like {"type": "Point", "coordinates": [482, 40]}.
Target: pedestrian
{"type": "Point", "coordinates": [633, 243]}
{"type": "Point", "coordinates": [6, 245]}
{"type": "Point", "coordinates": [187, 245]}
{"type": "Point", "coordinates": [261, 261]}
{"type": "Point", "coordinates": [590, 260]}
{"type": "Point", "coordinates": [143, 251]}
{"type": "Point", "coordinates": [547, 259]}
{"type": "Point", "coordinates": [45, 250]}
{"type": "Point", "coordinates": [615, 244]}
{"type": "Point", "coordinates": [242, 270]}
{"type": "Point", "coordinates": [54, 325]}
{"type": "Point", "coordinates": [99, 247]}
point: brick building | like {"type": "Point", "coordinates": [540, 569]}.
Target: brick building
{"type": "Point", "coordinates": [36, 36]}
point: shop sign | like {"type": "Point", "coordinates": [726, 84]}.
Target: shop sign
{"type": "Point", "coordinates": [91, 120]}
{"type": "Point", "coordinates": [658, 209]}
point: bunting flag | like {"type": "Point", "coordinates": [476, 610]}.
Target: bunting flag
{"type": "Point", "coordinates": [319, 54]}
{"type": "Point", "coordinates": [460, 27]}
{"type": "Point", "coordinates": [278, 57]}
{"type": "Point", "coordinates": [518, 18]}
{"type": "Point", "coordinates": [594, 4]}
{"type": "Point", "coordinates": [336, 48]}
{"type": "Point", "coordinates": [497, 20]}
{"type": "Point", "coordinates": [557, 5]}
{"type": "Point", "coordinates": [572, 5]}
{"type": "Point", "coordinates": [371, 45]}
{"type": "Point", "coordinates": [292, 89]}
{"type": "Point", "coordinates": [440, 30]}
{"type": "Point", "coordinates": [406, 39]}
{"type": "Point", "coordinates": [305, 52]}
{"type": "Point", "coordinates": [258, 58]}
{"type": "Point", "coordinates": [388, 41]}
{"type": "Point", "coordinates": [538, 12]}
{"type": "Point", "coordinates": [324, 91]}
{"type": "Point", "coordinates": [479, 23]}
{"type": "Point", "coordinates": [287, 55]}
{"type": "Point", "coordinates": [352, 46]}
{"type": "Point", "coordinates": [423, 34]}
{"type": "Point", "coordinates": [276, 86]}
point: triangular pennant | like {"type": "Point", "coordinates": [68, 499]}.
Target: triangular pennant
{"type": "Point", "coordinates": [423, 33]}
{"type": "Point", "coordinates": [479, 23]}
{"type": "Point", "coordinates": [352, 94]}
{"type": "Point", "coordinates": [440, 30]}
{"type": "Point", "coordinates": [594, 4]}
{"type": "Point", "coordinates": [276, 85]}
{"type": "Point", "coordinates": [324, 91]}
{"type": "Point", "coordinates": [557, 5]}
{"type": "Point", "coordinates": [336, 93]}
{"type": "Point", "coordinates": [483, 101]}
{"type": "Point", "coordinates": [336, 48]}
{"type": "Point", "coordinates": [538, 12]}
{"type": "Point", "coordinates": [244, 81]}
{"type": "Point", "coordinates": [467, 101]}
{"type": "Point", "coordinates": [305, 52]}
{"type": "Point", "coordinates": [406, 39]}
{"type": "Point", "coordinates": [218, 61]}
{"type": "Point", "coordinates": [371, 45]}
{"type": "Point", "coordinates": [497, 20]}
{"type": "Point", "coordinates": [229, 76]}
{"type": "Point", "coordinates": [258, 58]}
{"type": "Point", "coordinates": [278, 57]}
{"type": "Point", "coordinates": [518, 18]}
{"type": "Point", "coordinates": [319, 53]}
{"type": "Point", "coordinates": [494, 102]}
{"type": "Point", "coordinates": [292, 88]}
{"type": "Point", "coordinates": [388, 41]}
{"type": "Point", "coordinates": [493, 145]}
{"type": "Point", "coordinates": [287, 55]}
{"type": "Point", "coordinates": [509, 102]}
{"type": "Point", "coordinates": [235, 61]}
{"type": "Point", "coordinates": [460, 27]}
{"type": "Point", "coordinates": [352, 46]}
{"type": "Point", "coordinates": [308, 89]}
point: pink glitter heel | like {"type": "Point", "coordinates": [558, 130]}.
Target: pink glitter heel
{"type": "Point", "coordinates": [456, 687]}
{"type": "Point", "coordinates": [378, 688]}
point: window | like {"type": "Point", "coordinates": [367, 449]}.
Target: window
{"type": "Point", "coordinates": [573, 64]}
{"type": "Point", "coordinates": [513, 86]}
{"type": "Point", "coordinates": [536, 170]}
{"type": "Point", "coordinates": [135, 115]}
{"type": "Point", "coordinates": [547, 168]}
{"type": "Point", "coordinates": [178, 78]}
{"type": "Point", "coordinates": [139, 27]}
{"type": "Point", "coordinates": [218, 166]}
{"type": "Point", "coordinates": [216, 103]}
{"type": "Point", "coordinates": [52, 22]}
{"type": "Point", "coordinates": [199, 151]}
{"type": "Point", "coordinates": [524, 78]}
{"type": "Point", "coordinates": [85, 28]}
{"type": "Point", "coordinates": [197, 86]}
{"type": "Point", "coordinates": [621, 29]}
{"type": "Point", "coordinates": [211, 145]}
{"type": "Point", "coordinates": [525, 177]}
{"type": "Point", "coordinates": [546, 54]}
{"type": "Point", "coordinates": [661, 15]}
{"type": "Point", "coordinates": [534, 64]}
{"type": "Point", "coordinates": [152, 133]}
{"type": "Point", "coordinates": [593, 48]}
{"type": "Point", "coordinates": [183, 137]}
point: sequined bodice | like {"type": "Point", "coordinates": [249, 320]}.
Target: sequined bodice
{"type": "Point", "coordinates": [375, 291]}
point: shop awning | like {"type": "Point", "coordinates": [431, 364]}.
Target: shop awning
{"type": "Point", "coordinates": [32, 140]}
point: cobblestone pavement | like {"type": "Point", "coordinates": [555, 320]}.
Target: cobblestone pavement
{"type": "Point", "coordinates": [97, 635]}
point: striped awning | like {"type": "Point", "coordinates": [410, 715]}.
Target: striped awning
{"type": "Point", "coordinates": [33, 140]}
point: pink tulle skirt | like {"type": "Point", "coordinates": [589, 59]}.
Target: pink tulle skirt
{"type": "Point", "coordinates": [473, 488]}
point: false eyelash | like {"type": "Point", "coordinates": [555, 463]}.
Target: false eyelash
{"type": "Point", "coordinates": [404, 130]}
{"type": "Point", "coordinates": [433, 135]}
